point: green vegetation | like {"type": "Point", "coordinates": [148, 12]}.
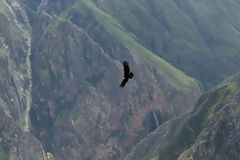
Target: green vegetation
{"type": "Point", "coordinates": [111, 30]}
{"type": "Point", "coordinates": [3, 7]}
{"type": "Point", "coordinates": [147, 157]}
{"type": "Point", "coordinates": [16, 36]}
{"type": "Point", "coordinates": [87, 84]}
{"type": "Point", "coordinates": [2, 72]}
{"type": "Point", "coordinates": [188, 34]}
{"type": "Point", "coordinates": [183, 136]}
{"type": "Point", "coordinates": [2, 53]}
{"type": "Point", "coordinates": [3, 153]}
{"type": "Point", "coordinates": [188, 152]}
{"type": "Point", "coordinates": [95, 79]}
{"type": "Point", "coordinates": [192, 126]}
{"type": "Point", "coordinates": [24, 70]}
{"type": "Point", "coordinates": [45, 77]}
{"type": "Point", "coordinates": [32, 4]}
{"type": "Point", "coordinates": [32, 128]}
{"type": "Point", "coordinates": [200, 38]}
{"type": "Point", "coordinates": [155, 158]}
{"type": "Point", "coordinates": [21, 119]}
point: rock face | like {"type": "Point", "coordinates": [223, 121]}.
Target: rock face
{"type": "Point", "coordinates": [14, 50]}
{"type": "Point", "coordinates": [15, 85]}
{"type": "Point", "coordinates": [61, 64]}
{"type": "Point", "coordinates": [16, 144]}
{"type": "Point", "coordinates": [149, 147]}
{"type": "Point", "coordinates": [181, 33]}
{"type": "Point", "coordinates": [220, 138]}
{"type": "Point", "coordinates": [210, 131]}
{"type": "Point", "coordinates": [79, 110]}
{"type": "Point", "coordinates": [67, 77]}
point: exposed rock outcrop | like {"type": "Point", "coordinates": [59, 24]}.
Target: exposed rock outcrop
{"type": "Point", "coordinates": [61, 61]}
{"type": "Point", "coordinates": [16, 144]}
{"type": "Point", "coordinates": [78, 109]}
{"type": "Point", "coordinates": [219, 139]}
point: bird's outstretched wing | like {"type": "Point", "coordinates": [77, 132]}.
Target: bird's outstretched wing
{"type": "Point", "coordinates": [126, 68]}
{"type": "Point", "coordinates": [124, 81]}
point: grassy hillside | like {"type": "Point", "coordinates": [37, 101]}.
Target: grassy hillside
{"type": "Point", "coordinates": [2, 154]}
{"type": "Point", "coordinates": [105, 29]}
{"type": "Point", "coordinates": [56, 52]}
{"type": "Point", "coordinates": [173, 138]}
{"type": "Point", "coordinates": [3, 7]}
{"type": "Point", "coordinates": [192, 126]}
{"type": "Point", "coordinates": [149, 147]}
{"type": "Point", "coordinates": [76, 71]}
{"type": "Point", "coordinates": [150, 33]}
{"type": "Point", "coordinates": [201, 38]}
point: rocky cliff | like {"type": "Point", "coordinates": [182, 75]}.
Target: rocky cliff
{"type": "Point", "coordinates": [60, 74]}
{"type": "Point", "coordinates": [15, 86]}
{"type": "Point", "coordinates": [79, 110]}
{"type": "Point", "coordinates": [220, 137]}
{"type": "Point", "coordinates": [16, 144]}
{"type": "Point", "coordinates": [66, 78]}
{"type": "Point", "coordinates": [209, 131]}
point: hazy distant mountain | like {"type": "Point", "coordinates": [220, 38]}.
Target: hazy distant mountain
{"type": "Point", "coordinates": [61, 67]}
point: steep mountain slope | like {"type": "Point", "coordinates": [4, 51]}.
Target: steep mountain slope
{"type": "Point", "coordinates": [71, 85]}
{"type": "Point", "coordinates": [220, 137]}
{"type": "Point", "coordinates": [211, 129]}
{"type": "Point", "coordinates": [16, 144]}
{"type": "Point", "coordinates": [61, 62]}
{"type": "Point", "coordinates": [113, 37]}
{"type": "Point", "coordinates": [79, 110]}
{"type": "Point", "coordinates": [67, 72]}
{"type": "Point", "coordinates": [192, 127]}
{"type": "Point", "coordinates": [200, 38]}
{"type": "Point", "coordinates": [15, 86]}
{"type": "Point", "coordinates": [148, 147]}
{"type": "Point", "coordinates": [14, 51]}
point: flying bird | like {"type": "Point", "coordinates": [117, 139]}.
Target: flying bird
{"type": "Point", "coordinates": [127, 74]}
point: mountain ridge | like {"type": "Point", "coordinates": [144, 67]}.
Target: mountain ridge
{"type": "Point", "coordinates": [186, 36]}
{"type": "Point", "coordinates": [184, 141]}
{"type": "Point", "coordinates": [77, 109]}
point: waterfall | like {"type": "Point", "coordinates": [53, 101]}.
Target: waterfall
{"type": "Point", "coordinates": [155, 117]}
{"type": "Point", "coordinates": [173, 109]}
{"type": "Point", "coordinates": [29, 90]}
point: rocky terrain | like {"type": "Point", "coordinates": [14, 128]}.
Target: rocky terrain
{"type": "Point", "coordinates": [79, 110]}
{"type": "Point", "coordinates": [220, 138]}
{"type": "Point", "coordinates": [209, 132]}
{"type": "Point", "coordinates": [149, 147]}
{"type": "Point", "coordinates": [16, 144]}
{"type": "Point", "coordinates": [200, 38]}
{"type": "Point", "coordinates": [61, 67]}
{"type": "Point", "coordinates": [68, 83]}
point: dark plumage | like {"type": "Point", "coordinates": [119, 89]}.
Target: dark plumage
{"type": "Point", "coordinates": [127, 74]}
